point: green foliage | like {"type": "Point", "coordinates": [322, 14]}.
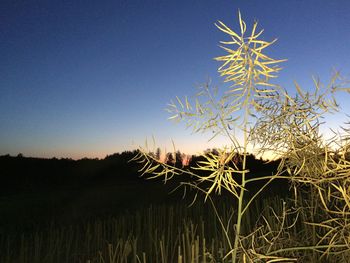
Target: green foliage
{"type": "Point", "coordinates": [275, 122]}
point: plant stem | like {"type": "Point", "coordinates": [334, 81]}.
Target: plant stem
{"type": "Point", "coordinates": [241, 194]}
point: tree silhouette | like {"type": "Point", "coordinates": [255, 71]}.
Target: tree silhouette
{"type": "Point", "coordinates": [170, 159]}
{"type": "Point", "coordinates": [158, 153]}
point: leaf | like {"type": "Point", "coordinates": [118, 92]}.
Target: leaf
{"type": "Point", "coordinates": [253, 30]}
{"type": "Point", "coordinates": [241, 23]}
{"type": "Point", "coordinates": [174, 117]}
{"type": "Point", "coordinates": [188, 105]}
{"type": "Point", "coordinates": [179, 101]}
{"type": "Point", "coordinates": [266, 84]}
{"type": "Point", "coordinates": [226, 29]}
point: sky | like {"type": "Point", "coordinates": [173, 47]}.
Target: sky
{"type": "Point", "coordinates": [91, 78]}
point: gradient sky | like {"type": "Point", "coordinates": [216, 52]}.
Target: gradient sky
{"type": "Point", "coordinates": [90, 78]}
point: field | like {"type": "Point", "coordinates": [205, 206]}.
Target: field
{"type": "Point", "coordinates": [86, 211]}
{"type": "Point", "coordinates": [110, 226]}
{"type": "Point", "coordinates": [102, 211]}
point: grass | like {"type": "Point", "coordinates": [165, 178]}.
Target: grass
{"type": "Point", "coordinates": [162, 233]}
{"type": "Point", "coordinates": [156, 234]}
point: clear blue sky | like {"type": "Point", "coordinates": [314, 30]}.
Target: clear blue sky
{"type": "Point", "coordinates": [90, 78]}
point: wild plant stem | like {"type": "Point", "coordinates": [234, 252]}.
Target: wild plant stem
{"type": "Point", "coordinates": [238, 224]}
{"type": "Point", "coordinates": [241, 194]}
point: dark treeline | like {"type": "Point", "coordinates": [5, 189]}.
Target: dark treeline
{"type": "Point", "coordinates": [27, 174]}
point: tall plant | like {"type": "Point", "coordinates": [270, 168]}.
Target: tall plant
{"type": "Point", "coordinates": [253, 111]}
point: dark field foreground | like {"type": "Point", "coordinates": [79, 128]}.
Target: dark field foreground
{"type": "Point", "coordinates": [102, 211]}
